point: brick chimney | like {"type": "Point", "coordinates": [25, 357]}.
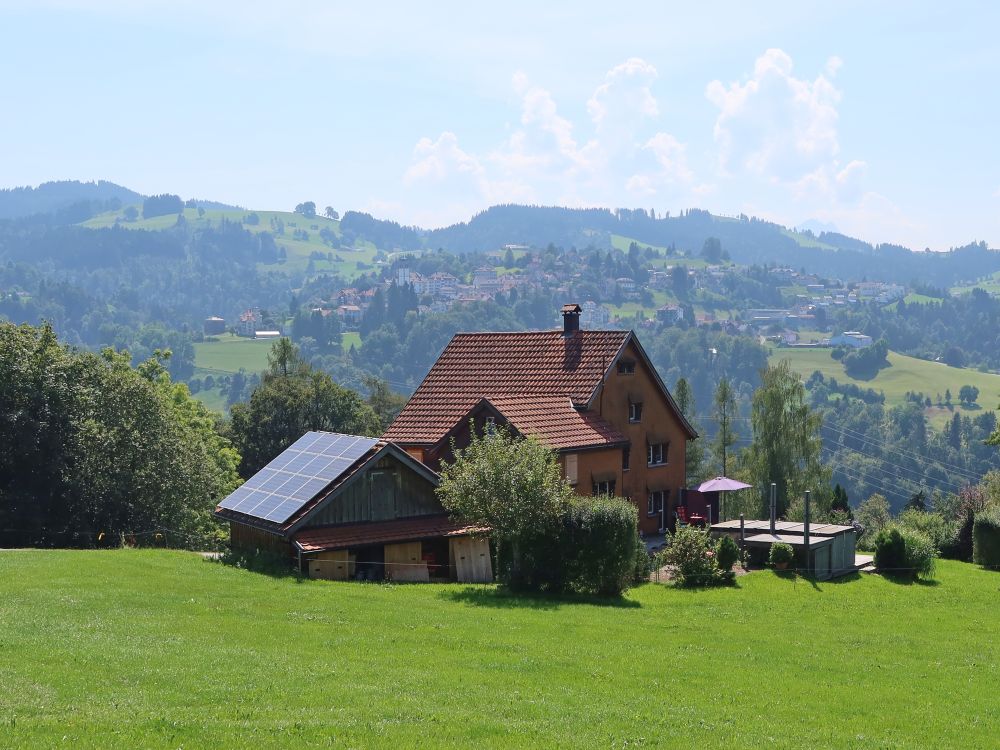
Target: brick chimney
{"type": "Point", "coordinates": [571, 319]}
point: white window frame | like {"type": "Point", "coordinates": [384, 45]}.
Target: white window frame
{"type": "Point", "coordinates": [634, 412]}
{"type": "Point", "coordinates": [651, 453]}
{"type": "Point", "coordinates": [654, 508]}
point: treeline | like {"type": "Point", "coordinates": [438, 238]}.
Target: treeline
{"type": "Point", "coordinates": [93, 450]}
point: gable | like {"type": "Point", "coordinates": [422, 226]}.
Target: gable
{"type": "Point", "coordinates": [632, 351]}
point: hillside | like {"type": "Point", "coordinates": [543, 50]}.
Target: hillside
{"type": "Point", "coordinates": [198, 654]}
{"type": "Point", "coordinates": [904, 374]}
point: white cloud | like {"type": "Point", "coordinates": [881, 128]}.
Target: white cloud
{"type": "Point", "coordinates": [549, 158]}
{"type": "Point", "coordinates": [774, 124]}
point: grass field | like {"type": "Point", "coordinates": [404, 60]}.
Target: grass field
{"type": "Point", "coordinates": [164, 649]}
{"type": "Point", "coordinates": [991, 284]}
{"type": "Point", "coordinates": [297, 251]}
{"type": "Point", "coordinates": [231, 354]}
{"type": "Point", "coordinates": [904, 374]}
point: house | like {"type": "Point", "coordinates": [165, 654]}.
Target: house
{"type": "Point", "coordinates": [594, 315]}
{"type": "Point", "coordinates": [670, 314]}
{"type": "Point", "coordinates": [350, 315]}
{"type": "Point", "coordinates": [350, 507]}
{"type": "Point", "coordinates": [593, 396]}
{"type": "Point", "coordinates": [214, 325]}
{"type": "Point", "coordinates": [247, 325]}
{"type": "Point", "coordinates": [854, 339]}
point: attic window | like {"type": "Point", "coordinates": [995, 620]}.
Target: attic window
{"type": "Point", "coordinates": [626, 367]}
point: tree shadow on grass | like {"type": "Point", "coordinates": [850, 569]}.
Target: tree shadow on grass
{"type": "Point", "coordinates": [501, 598]}
{"type": "Point", "coordinates": [272, 566]}
{"type": "Point", "coordinates": [905, 580]}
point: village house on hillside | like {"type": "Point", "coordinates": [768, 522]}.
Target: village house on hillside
{"type": "Point", "coordinates": [350, 507]}
{"type": "Point", "coordinates": [593, 396]}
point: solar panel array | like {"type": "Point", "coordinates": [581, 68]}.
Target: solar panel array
{"type": "Point", "coordinates": [302, 471]}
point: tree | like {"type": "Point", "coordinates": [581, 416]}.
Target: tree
{"type": "Point", "coordinates": [512, 486]}
{"type": "Point", "coordinates": [917, 501]}
{"type": "Point", "coordinates": [292, 399]}
{"type": "Point", "coordinates": [382, 400]}
{"type": "Point", "coordinates": [725, 413]}
{"type": "Point", "coordinates": [968, 394]}
{"type": "Point", "coordinates": [712, 250]}
{"type": "Point", "coordinates": [131, 213]}
{"type": "Point", "coordinates": [307, 209]}
{"type": "Point", "coordinates": [91, 444]}
{"type": "Point", "coordinates": [786, 447]}
{"type": "Point", "coordinates": [330, 213]}
{"type": "Point", "coordinates": [694, 454]}
{"type": "Point", "coordinates": [874, 514]}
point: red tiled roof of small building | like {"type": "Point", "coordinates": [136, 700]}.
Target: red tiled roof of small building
{"type": "Point", "coordinates": [554, 421]}
{"type": "Point", "coordinates": [519, 364]}
{"type": "Point", "coordinates": [382, 532]}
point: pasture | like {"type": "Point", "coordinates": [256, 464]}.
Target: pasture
{"type": "Point", "coordinates": [153, 648]}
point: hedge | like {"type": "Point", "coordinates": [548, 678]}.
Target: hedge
{"type": "Point", "coordinates": [986, 539]}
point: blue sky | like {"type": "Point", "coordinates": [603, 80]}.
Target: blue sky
{"type": "Point", "coordinates": [880, 119]}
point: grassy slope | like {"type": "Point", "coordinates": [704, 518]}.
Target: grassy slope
{"type": "Point", "coordinates": [297, 251]}
{"type": "Point", "coordinates": [905, 374]}
{"type": "Point", "coordinates": [164, 649]}
{"type": "Point", "coordinates": [990, 283]}
{"type": "Point", "coordinates": [231, 354]}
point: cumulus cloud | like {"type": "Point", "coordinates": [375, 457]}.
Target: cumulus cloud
{"type": "Point", "coordinates": [549, 157]}
{"type": "Point", "coordinates": [775, 124]}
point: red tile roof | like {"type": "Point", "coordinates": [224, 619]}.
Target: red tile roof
{"type": "Point", "coordinates": [478, 365]}
{"type": "Point", "coordinates": [554, 421]}
{"type": "Point", "coordinates": [381, 532]}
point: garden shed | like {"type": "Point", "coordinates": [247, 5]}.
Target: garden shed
{"type": "Point", "coordinates": [825, 550]}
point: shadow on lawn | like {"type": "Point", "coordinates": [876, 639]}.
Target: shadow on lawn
{"type": "Point", "coordinates": [500, 598]}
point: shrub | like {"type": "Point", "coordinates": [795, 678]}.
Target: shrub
{"type": "Point", "coordinates": [874, 514]}
{"type": "Point", "coordinates": [781, 553]}
{"type": "Point", "coordinates": [598, 543]}
{"type": "Point", "coordinates": [726, 553]}
{"type": "Point", "coordinates": [903, 552]}
{"type": "Point", "coordinates": [643, 562]}
{"type": "Point", "coordinates": [986, 539]}
{"type": "Point", "coordinates": [693, 558]}
{"type": "Point", "coordinates": [940, 530]}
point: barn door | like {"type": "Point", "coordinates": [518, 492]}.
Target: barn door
{"type": "Point", "coordinates": [472, 559]}
{"type": "Point", "coordinates": [405, 562]}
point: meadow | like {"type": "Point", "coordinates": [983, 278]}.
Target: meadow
{"type": "Point", "coordinates": [904, 374]}
{"type": "Point", "coordinates": [298, 251]}
{"type": "Point", "coordinates": [154, 648]}
{"type": "Point", "coordinates": [230, 353]}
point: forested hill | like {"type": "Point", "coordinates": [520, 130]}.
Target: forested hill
{"type": "Point", "coordinates": [747, 240]}
{"type": "Point", "coordinates": [53, 197]}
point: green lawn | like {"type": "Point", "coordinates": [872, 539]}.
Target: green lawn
{"type": "Point", "coordinates": [991, 284]}
{"type": "Point", "coordinates": [165, 649]}
{"type": "Point", "coordinates": [231, 354]}
{"type": "Point", "coordinates": [904, 374]}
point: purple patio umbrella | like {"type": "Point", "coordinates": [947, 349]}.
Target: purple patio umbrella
{"type": "Point", "coordinates": [721, 484]}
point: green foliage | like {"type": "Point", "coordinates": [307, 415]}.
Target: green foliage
{"type": "Point", "coordinates": [940, 530]}
{"type": "Point", "coordinates": [781, 554]}
{"type": "Point", "coordinates": [694, 456]}
{"type": "Point", "coordinates": [93, 445]}
{"type": "Point", "coordinates": [986, 539]}
{"type": "Point", "coordinates": [598, 545]}
{"type": "Point", "coordinates": [725, 436]}
{"type": "Point", "coordinates": [291, 400]}
{"type": "Point", "coordinates": [874, 514]}
{"type": "Point", "coordinates": [866, 362]}
{"type": "Point", "coordinates": [692, 555]}
{"type": "Point", "coordinates": [727, 552]}
{"type": "Point", "coordinates": [786, 441]}
{"type": "Point", "coordinates": [903, 553]}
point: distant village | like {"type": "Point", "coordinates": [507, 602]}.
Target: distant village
{"type": "Point", "coordinates": [439, 292]}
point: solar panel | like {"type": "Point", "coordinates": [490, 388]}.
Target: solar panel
{"type": "Point", "coordinates": [297, 475]}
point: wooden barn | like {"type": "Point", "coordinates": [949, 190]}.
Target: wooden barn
{"type": "Point", "coordinates": [346, 507]}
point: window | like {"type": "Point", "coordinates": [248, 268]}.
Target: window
{"type": "Point", "coordinates": [655, 502]}
{"type": "Point", "coordinates": [571, 464]}
{"type": "Point", "coordinates": [626, 457]}
{"type": "Point", "coordinates": [491, 425]}
{"type": "Point", "coordinates": [626, 367]}
{"type": "Point", "coordinates": [635, 411]}
{"type": "Point", "coordinates": [604, 488]}
{"type": "Point", "coordinates": [656, 454]}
